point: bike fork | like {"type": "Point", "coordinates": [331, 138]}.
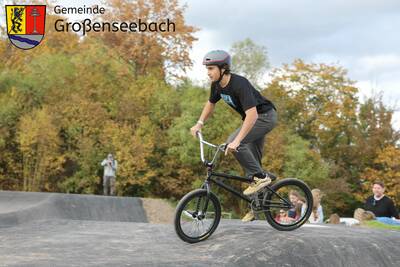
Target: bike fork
{"type": "Point", "coordinates": [206, 186]}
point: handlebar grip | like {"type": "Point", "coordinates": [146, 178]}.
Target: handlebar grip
{"type": "Point", "coordinates": [224, 147]}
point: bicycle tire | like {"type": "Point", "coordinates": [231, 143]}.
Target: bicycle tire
{"type": "Point", "coordinates": [307, 193]}
{"type": "Point", "coordinates": [198, 193]}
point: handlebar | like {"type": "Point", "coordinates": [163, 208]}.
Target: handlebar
{"type": "Point", "coordinates": [219, 148]}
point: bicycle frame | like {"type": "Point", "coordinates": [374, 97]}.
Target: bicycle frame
{"type": "Point", "coordinates": [211, 174]}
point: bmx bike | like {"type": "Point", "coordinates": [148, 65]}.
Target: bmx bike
{"type": "Point", "coordinates": [198, 213]}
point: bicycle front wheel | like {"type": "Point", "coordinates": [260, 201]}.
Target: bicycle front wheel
{"type": "Point", "coordinates": [288, 205]}
{"type": "Point", "coordinates": [197, 216]}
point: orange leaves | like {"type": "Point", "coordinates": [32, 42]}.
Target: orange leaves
{"type": "Point", "coordinates": [147, 51]}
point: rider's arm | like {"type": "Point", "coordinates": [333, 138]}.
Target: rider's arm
{"type": "Point", "coordinates": [207, 111]}
{"type": "Point", "coordinates": [248, 123]}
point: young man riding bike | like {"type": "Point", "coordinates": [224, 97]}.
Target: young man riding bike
{"type": "Point", "coordinates": [258, 114]}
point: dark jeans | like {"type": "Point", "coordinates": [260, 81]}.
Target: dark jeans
{"type": "Point", "coordinates": [250, 151]}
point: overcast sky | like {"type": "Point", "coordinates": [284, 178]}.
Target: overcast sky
{"type": "Point", "coordinates": [361, 35]}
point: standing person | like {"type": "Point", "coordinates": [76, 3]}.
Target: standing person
{"type": "Point", "coordinates": [110, 167]}
{"type": "Point", "coordinates": [258, 114]}
{"type": "Point", "coordinates": [317, 214]}
{"type": "Point", "coordinates": [379, 204]}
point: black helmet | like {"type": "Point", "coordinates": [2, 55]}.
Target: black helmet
{"type": "Point", "coordinates": [218, 57]}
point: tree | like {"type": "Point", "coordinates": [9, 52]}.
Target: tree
{"type": "Point", "coordinates": [249, 59]}
{"type": "Point", "coordinates": [304, 163]}
{"type": "Point", "coordinates": [39, 144]}
{"type": "Point", "coordinates": [319, 102]}
{"type": "Point", "coordinates": [148, 53]}
{"type": "Point", "coordinates": [374, 131]}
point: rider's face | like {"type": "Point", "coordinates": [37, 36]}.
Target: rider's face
{"type": "Point", "coordinates": [213, 73]}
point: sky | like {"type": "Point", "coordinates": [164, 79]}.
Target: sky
{"type": "Point", "coordinates": [360, 35]}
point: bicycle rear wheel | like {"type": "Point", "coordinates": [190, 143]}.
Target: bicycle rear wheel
{"type": "Point", "coordinates": [289, 205]}
{"type": "Point", "coordinates": [197, 216]}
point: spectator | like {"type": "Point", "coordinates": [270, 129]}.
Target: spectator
{"type": "Point", "coordinates": [317, 215]}
{"type": "Point", "coordinates": [109, 177]}
{"type": "Point", "coordinates": [283, 217]}
{"type": "Point", "coordinates": [300, 210]}
{"type": "Point", "coordinates": [298, 202]}
{"type": "Point", "coordinates": [334, 219]}
{"type": "Point", "coordinates": [379, 204]}
{"type": "Point", "coordinates": [363, 215]}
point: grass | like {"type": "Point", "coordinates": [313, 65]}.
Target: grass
{"type": "Point", "coordinates": [379, 225]}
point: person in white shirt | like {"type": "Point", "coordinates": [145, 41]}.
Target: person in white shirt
{"type": "Point", "coordinates": [317, 214]}
{"type": "Point", "coordinates": [110, 167]}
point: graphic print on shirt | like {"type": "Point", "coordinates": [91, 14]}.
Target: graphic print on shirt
{"type": "Point", "coordinates": [228, 100]}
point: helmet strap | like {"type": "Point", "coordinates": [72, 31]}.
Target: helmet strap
{"type": "Point", "coordinates": [221, 75]}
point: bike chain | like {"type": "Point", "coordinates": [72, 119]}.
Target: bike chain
{"type": "Point", "coordinates": [256, 202]}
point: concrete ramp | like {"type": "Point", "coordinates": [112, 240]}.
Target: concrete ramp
{"type": "Point", "coordinates": [22, 207]}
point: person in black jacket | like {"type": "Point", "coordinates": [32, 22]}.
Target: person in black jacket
{"type": "Point", "coordinates": [379, 204]}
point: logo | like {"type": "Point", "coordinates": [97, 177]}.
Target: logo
{"type": "Point", "coordinates": [228, 100]}
{"type": "Point", "coordinates": [25, 25]}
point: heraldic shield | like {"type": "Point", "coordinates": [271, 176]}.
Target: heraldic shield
{"type": "Point", "coordinates": [25, 25]}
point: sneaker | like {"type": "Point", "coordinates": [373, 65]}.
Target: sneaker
{"type": "Point", "coordinates": [257, 185]}
{"type": "Point", "coordinates": [248, 217]}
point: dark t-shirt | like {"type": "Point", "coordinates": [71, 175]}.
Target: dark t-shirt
{"type": "Point", "coordinates": [381, 208]}
{"type": "Point", "coordinates": [240, 95]}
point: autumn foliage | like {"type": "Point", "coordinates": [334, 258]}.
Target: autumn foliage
{"type": "Point", "coordinates": [67, 103]}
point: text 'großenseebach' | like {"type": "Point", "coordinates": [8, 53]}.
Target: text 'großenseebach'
{"type": "Point", "coordinates": [87, 25]}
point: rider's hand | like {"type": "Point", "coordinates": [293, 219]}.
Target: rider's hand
{"type": "Point", "coordinates": [232, 146]}
{"type": "Point", "coordinates": [195, 129]}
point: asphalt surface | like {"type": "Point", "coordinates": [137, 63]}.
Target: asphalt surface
{"type": "Point", "coordinates": [81, 242]}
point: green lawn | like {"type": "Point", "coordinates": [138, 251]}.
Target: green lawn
{"type": "Point", "coordinates": [379, 225]}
